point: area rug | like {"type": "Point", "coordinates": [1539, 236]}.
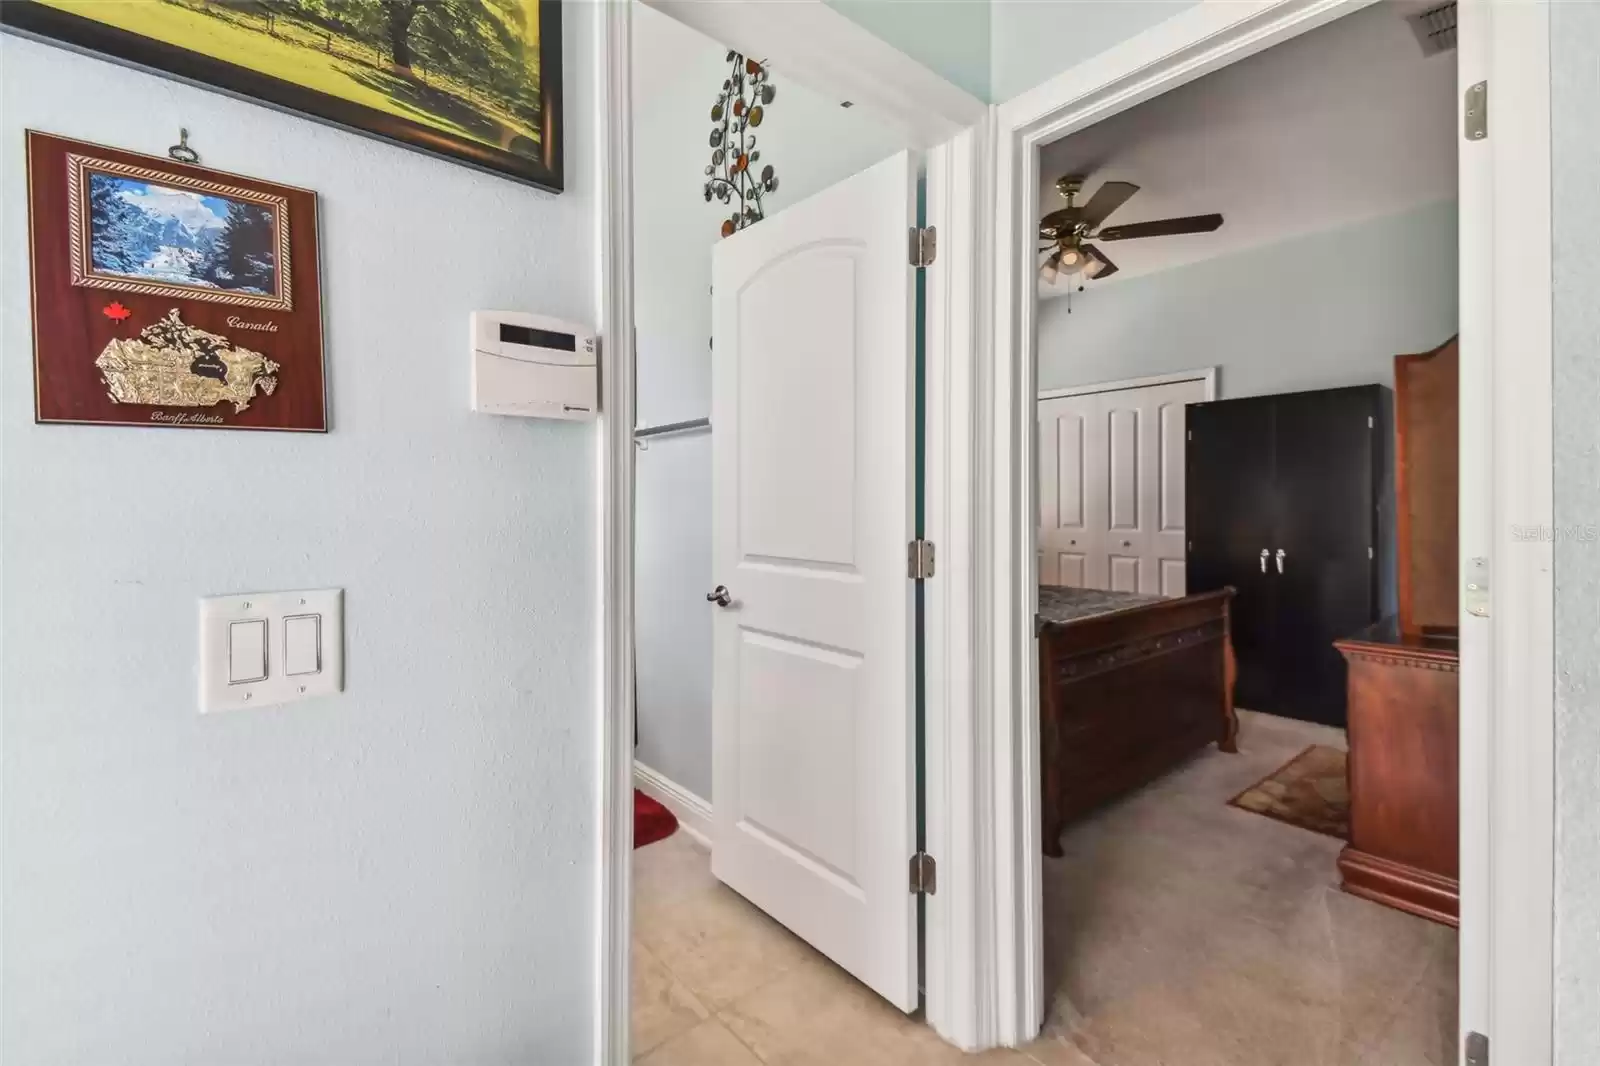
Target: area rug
{"type": "Point", "coordinates": [1311, 791]}
{"type": "Point", "coordinates": [651, 821]}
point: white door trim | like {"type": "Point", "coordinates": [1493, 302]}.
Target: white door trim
{"type": "Point", "coordinates": [613, 126]}
{"type": "Point", "coordinates": [1205, 374]}
{"type": "Point", "coordinates": [958, 917]}
{"type": "Point", "coordinates": [1002, 795]}
{"type": "Point", "coordinates": [1508, 733]}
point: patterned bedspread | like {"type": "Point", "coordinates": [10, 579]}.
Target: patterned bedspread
{"type": "Point", "coordinates": [1057, 603]}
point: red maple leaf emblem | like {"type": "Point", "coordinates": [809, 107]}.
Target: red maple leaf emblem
{"type": "Point", "coordinates": [116, 312]}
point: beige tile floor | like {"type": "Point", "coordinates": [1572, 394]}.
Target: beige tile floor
{"type": "Point", "coordinates": [1179, 932]}
{"type": "Point", "coordinates": [718, 983]}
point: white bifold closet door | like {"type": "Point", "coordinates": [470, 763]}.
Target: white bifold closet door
{"type": "Point", "coordinates": [1111, 491]}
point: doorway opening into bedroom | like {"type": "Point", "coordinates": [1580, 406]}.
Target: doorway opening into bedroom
{"type": "Point", "coordinates": [1247, 560]}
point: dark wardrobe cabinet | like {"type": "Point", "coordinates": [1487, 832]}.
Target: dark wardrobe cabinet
{"type": "Point", "coordinates": [1289, 499]}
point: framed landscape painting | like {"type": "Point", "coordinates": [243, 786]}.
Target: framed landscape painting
{"type": "Point", "coordinates": [141, 230]}
{"type": "Point", "coordinates": [474, 81]}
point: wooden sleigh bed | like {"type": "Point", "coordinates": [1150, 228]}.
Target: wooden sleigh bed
{"type": "Point", "coordinates": [1130, 686]}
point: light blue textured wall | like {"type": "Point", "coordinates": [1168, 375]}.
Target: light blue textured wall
{"type": "Point", "coordinates": [1314, 312]}
{"type": "Point", "coordinates": [1575, 163]}
{"type": "Point", "coordinates": [950, 37]}
{"type": "Point", "coordinates": [1031, 41]}
{"type": "Point", "coordinates": [405, 872]}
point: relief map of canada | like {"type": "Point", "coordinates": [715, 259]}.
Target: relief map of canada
{"type": "Point", "coordinates": [173, 364]}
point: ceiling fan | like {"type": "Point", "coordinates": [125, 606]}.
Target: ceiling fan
{"type": "Point", "coordinates": [1066, 232]}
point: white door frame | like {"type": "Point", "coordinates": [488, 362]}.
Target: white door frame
{"type": "Point", "coordinates": [1208, 375]}
{"type": "Point", "coordinates": [815, 45]}
{"type": "Point", "coordinates": [1507, 668]}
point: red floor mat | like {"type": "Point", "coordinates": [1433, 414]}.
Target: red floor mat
{"type": "Point", "coordinates": [651, 821]}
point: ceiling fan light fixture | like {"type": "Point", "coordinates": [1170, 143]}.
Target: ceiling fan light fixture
{"type": "Point", "coordinates": [1070, 229]}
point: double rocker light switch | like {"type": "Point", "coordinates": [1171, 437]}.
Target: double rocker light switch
{"type": "Point", "coordinates": [247, 651]}
{"type": "Point", "coordinates": [263, 648]}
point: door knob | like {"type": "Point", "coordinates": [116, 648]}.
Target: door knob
{"type": "Point", "coordinates": [721, 597]}
{"type": "Point", "coordinates": [1127, 544]}
{"type": "Point", "coordinates": [1279, 558]}
{"type": "Point", "coordinates": [1264, 560]}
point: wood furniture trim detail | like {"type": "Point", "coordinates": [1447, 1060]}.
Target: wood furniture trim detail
{"type": "Point", "coordinates": [1415, 659]}
{"type": "Point", "coordinates": [1404, 772]}
{"type": "Point", "coordinates": [1393, 884]}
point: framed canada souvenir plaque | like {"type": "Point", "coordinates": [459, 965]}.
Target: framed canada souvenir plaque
{"type": "Point", "coordinates": [166, 294]}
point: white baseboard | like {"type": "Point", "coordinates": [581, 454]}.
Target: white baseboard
{"type": "Point", "coordinates": [693, 813]}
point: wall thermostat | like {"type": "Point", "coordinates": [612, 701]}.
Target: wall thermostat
{"type": "Point", "coordinates": [530, 365]}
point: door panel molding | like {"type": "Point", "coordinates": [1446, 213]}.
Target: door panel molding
{"type": "Point", "coordinates": [1171, 482]}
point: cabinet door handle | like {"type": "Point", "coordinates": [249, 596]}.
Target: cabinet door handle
{"type": "Point", "coordinates": [1264, 560]}
{"type": "Point", "coordinates": [1279, 558]}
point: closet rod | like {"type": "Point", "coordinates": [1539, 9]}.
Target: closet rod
{"type": "Point", "coordinates": [640, 435]}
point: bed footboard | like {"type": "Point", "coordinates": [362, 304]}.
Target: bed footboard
{"type": "Point", "coordinates": [1126, 696]}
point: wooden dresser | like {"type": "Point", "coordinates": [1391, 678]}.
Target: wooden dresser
{"type": "Point", "coordinates": [1403, 673]}
{"type": "Point", "coordinates": [1404, 782]}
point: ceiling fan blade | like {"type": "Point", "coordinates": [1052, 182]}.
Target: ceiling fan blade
{"type": "Point", "coordinates": [1165, 227]}
{"type": "Point", "coordinates": [1051, 267]}
{"type": "Point", "coordinates": [1103, 267]}
{"type": "Point", "coordinates": [1106, 199]}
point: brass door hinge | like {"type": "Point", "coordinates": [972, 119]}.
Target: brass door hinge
{"type": "Point", "coordinates": [924, 874]}
{"type": "Point", "coordinates": [919, 564]}
{"type": "Point", "coordinates": [924, 245]}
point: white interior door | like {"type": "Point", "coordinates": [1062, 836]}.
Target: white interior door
{"type": "Point", "coordinates": [1111, 490]}
{"type": "Point", "coordinates": [812, 509]}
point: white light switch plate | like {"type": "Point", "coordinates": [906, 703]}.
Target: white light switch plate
{"type": "Point", "coordinates": [307, 627]}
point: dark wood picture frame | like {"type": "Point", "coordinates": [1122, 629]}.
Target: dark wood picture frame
{"type": "Point", "coordinates": [53, 25]}
{"type": "Point", "coordinates": [128, 350]}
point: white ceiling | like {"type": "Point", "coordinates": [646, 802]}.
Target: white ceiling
{"type": "Point", "coordinates": [1345, 123]}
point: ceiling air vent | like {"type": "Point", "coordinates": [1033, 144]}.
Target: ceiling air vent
{"type": "Point", "coordinates": [1435, 27]}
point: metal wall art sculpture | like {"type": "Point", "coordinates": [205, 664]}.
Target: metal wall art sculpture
{"type": "Point", "coordinates": [746, 94]}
